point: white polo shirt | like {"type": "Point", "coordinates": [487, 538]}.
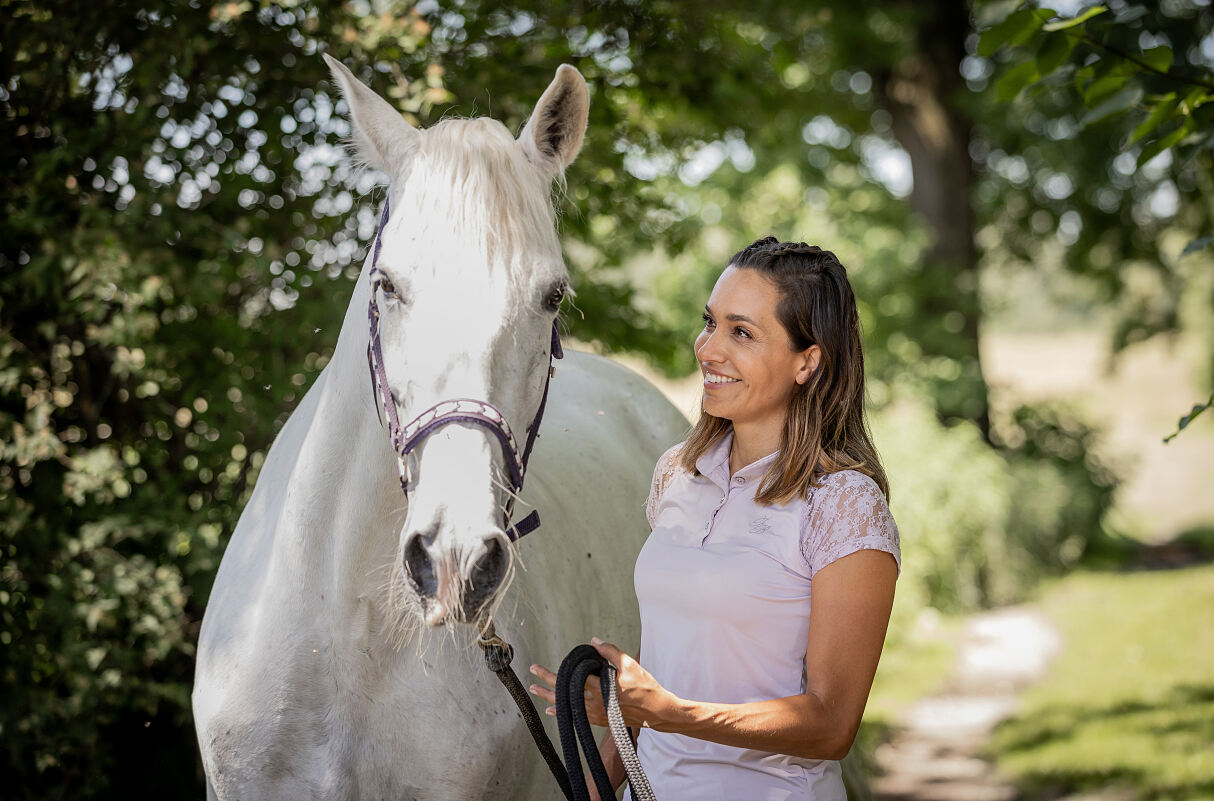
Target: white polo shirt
{"type": "Point", "coordinates": [724, 586]}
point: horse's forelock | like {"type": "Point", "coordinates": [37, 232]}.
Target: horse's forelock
{"type": "Point", "coordinates": [473, 175]}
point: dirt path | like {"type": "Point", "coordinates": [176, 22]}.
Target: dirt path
{"type": "Point", "coordinates": [933, 755]}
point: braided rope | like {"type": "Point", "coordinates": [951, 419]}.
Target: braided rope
{"type": "Point", "coordinates": [641, 791]}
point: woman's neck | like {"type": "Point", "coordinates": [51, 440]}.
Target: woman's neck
{"type": "Point", "coordinates": [753, 441]}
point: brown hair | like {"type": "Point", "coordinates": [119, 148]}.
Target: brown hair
{"type": "Point", "coordinates": [826, 428]}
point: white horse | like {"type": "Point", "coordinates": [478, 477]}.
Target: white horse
{"type": "Point", "coordinates": [337, 656]}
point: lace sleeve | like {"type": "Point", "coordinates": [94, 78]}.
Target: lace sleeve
{"type": "Point", "coordinates": [846, 514]}
{"type": "Point", "coordinates": [663, 471]}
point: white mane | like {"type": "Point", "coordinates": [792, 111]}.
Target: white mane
{"type": "Point", "coordinates": [472, 175]}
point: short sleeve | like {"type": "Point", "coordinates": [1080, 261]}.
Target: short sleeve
{"type": "Point", "coordinates": [848, 513]}
{"type": "Point", "coordinates": [663, 471]}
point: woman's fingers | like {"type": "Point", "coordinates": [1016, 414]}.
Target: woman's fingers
{"type": "Point", "coordinates": [593, 694]}
{"type": "Point", "coordinates": [544, 674]}
{"type": "Point", "coordinates": [608, 651]}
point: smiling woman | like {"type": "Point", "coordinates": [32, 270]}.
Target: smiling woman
{"type": "Point", "coordinates": [746, 689]}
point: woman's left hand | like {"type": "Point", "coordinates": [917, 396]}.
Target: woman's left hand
{"type": "Point", "coordinates": [643, 701]}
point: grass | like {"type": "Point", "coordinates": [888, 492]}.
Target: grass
{"type": "Point", "coordinates": [1129, 703]}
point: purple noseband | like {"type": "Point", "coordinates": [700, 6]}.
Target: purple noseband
{"type": "Point", "coordinates": [456, 410]}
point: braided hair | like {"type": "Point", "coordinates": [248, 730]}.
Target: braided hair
{"type": "Point", "coordinates": [826, 429]}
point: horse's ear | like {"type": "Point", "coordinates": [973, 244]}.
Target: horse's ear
{"type": "Point", "coordinates": [382, 137]}
{"type": "Point", "coordinates": [553, 136]}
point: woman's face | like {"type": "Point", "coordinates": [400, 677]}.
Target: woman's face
{"type": "Point", "coordinates": [744, 352]}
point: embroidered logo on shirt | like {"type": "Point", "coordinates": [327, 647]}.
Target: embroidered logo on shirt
{"type": "Point", "coordinates": [760, 525]}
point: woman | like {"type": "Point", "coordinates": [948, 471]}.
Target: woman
{"type": "Point", "coordinates": [749, 691]}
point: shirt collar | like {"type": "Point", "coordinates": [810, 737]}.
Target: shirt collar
{"type": "Point", "coordinates": [714, 463]}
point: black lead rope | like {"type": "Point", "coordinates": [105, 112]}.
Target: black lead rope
{"type": "Point", "coordinates": [498, 655]}
{"type": "Point", "coordinates": [571, 720]}
{"type": "Point", "coordinates": [581, 663]}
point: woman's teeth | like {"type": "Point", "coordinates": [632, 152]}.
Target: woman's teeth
{"type": "Point", "coordinates": [719, 379]}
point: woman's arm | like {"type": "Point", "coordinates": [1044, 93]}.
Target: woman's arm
{"type": "Point", "coordinates": [852, 600]}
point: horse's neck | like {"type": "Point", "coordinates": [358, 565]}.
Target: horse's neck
{"type": "Point", "coordinates": [343, 496]}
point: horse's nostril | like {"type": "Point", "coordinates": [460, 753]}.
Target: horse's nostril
{"type": "Point", "coordinates": [419, 568]}
{"type": "Point", "coordinates": [489, 570]}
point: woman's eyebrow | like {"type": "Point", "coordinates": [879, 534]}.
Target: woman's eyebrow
{"type": "Point", "coordinates": [735, 318]}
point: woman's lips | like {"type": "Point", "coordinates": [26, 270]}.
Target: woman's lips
{"type": "Point", "coordinates": [712, 379]}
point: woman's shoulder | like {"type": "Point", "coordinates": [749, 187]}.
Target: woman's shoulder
{"type": "Point", "coordinates": [663, 472]}
{"type": "Point", "coordinates": [848, 495]}
{"type": "Point", "coordinates": [845, 483]}
{"type": "Point", "coordinates": [671, 456]}
{"type": "Point", "coordinates": [847, 511]}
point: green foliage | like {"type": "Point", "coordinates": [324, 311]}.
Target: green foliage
{"type": "Point", "coordinates": [1109, 79]}
{"type": "Point", "coordinates": [1062, 487]}
{"type": "Point", "coordinates": [1089, 53]}
{"type": "Point", "coordinates": [981, 526]}
{"type": "Point", "coordinates": [1136, 72]}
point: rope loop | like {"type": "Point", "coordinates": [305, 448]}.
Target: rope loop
{"type": "Point", "coordinates": [498, 653]}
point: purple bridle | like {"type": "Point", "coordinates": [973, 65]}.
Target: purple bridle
{"type": "Point", "coordinates": [455, 410]}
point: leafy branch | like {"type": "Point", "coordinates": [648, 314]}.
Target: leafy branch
{"type": "Point", "coordinates": [1190, 417]}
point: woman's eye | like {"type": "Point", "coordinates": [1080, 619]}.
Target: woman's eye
{"type": "Point", "coordinates": [742, 332]}
{"type": "Point", "coordinates": [708, 323]}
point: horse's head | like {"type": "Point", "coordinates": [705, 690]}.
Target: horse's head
{"type": "Point", "coordinates": [471, 279]}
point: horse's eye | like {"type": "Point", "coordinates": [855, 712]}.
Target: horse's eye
{"type": "Point", "coordinates": [388, 288]}
{"type": "Point", "coordinates": [555, 298]}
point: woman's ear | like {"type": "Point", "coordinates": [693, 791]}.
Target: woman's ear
{"type": "Point", "coordinates": [811, 357]}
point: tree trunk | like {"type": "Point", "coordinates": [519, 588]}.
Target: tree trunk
{"type": "Point", "coordinates": [921, 93]}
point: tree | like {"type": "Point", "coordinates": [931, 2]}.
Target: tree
{"type": "Point", "coordinates": [1132, 64]}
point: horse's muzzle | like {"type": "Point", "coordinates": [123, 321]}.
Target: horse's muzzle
{"type": "Point", "coordinates": [448, 586]}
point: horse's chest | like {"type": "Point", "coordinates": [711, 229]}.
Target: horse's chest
{"type": "Point", "coordinates": [329, 732]}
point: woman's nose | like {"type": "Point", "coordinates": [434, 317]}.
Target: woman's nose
{"type": "Point", "coordinates": [706, 347]}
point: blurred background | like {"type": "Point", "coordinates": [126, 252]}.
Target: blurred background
{"type": "Point", "coordinates": [1023, 197]}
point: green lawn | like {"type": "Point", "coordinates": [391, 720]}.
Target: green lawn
{"type": "Point", "coordinates": [1129, 703]}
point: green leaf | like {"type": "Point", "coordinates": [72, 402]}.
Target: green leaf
{"type": "Point", "coordinates": [1104, 86]}
{"type": "Point", "coordinates": [1159, 58]}
{"type": "Point", "coordinates": [1200, 243]}
{"type": "Point", "coordinates": [1016, 29]}
{"type": "Point", "coordinates": [1015, 79]}
{"type": "Point", "coordinates": [1063, 24]}
{"type": "Point", "coordinates": [1196, 97]}
{"type": "Point", "coordinates": [1159, 145]}
{"type": "Point", "coordinates": [1165, 107]}
{"type": "Point", "coordinates": [1190, 417]}
{"type": "Point", "coordinates": [1054, 50]}
{"type": "Point", "coordinates": [1113, 105]}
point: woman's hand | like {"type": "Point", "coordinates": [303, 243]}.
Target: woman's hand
{"type": "Point", "coordinates": [643, 701]}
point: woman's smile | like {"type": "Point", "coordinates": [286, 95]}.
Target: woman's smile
{"type": "Point", "coordinates": [714, 380]}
